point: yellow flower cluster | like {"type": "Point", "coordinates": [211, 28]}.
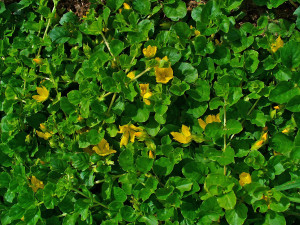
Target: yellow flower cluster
{"type": "Point", "coordinates": [44, 134]}
{"type": "Point", "coordinates": [103, 148]}
{"type": "Point", "coordinates": [43, 94]}
{"type": "Point", "coordinates": [184, 136]}
{"type": "Point", "coordinates": [150, 51]}
{"type": "Point", "coordinates": [277, 44]}
{"type": "Point", "coordinates": [245, 178]}
{"type": "Point", "coordinates": [209, 119]}
{"type": "Point", "coordinates": [163, 75]}
{"type": "Point", "coordinates": [36, 184]}
{"type": "Point", "coordinates": [259, 143]}
{"type": "Point", "coordinates": [129, 132]}
{"type": "Point", "coordinates": [145, 93]}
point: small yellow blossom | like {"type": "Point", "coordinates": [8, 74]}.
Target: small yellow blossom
{"type": "Point", "coordinates": [245, 178]}
{"type": "Point", "coordinates": [45, 135]}
{"type": "Point", "coordinates": [38, 61]}
{"type": "Point", "coordinates": [184, 137]}
{"type": "Point", "coordinates": [131, 75]}
{"type": "Point", "coordinates": [267, 199]}
{"type": "Point", "coordinates": [43, 94]}
{"type": "Point", "coordinates": [142, 135]}
{"type": "Point", "coordinates": [163, 75]}
{"type": "Point", "coordinates": [218, 42]}
{"type": "Point", "coordinates": [145, 93]}
{"type": "Point", "coordinates": [23, 218]}
{"type": "Point", "coordinates": [197, 32]}
{"type": "Point", "coordinates": [276, 107]}
{"type": "Point", "coordinates": [80, 118]}
{"type": "Point", "coordinates": [43, 127]}
{"type": "Point", "coordinates": [209, 119]}
{"type": "Point", "coordinates": [126, 6]}
{"type": "Point", "coordinates": [276, 153]}
{"type": "Point", "coordinates": [151, 155]}
{"type": "Point", "coordinates": [264, 137]}
{"type": "Point", "coordinates": [36, 184]}
{"type": "Point", "coordinates": [150, 51]}
{"type": "Point", "coordinates": [103, 148]}
{"type": "Point", "coordinates": [257, 145]}
{"type": "Point", "coordinates": [128, 131]}
{"type": "Point", "coordinates": [285, 131]}
{"type": "Point", "coordinates": [277, 44]}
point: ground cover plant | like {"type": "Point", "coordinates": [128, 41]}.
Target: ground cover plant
{"type": "Point", "coordinates": [149, 112]}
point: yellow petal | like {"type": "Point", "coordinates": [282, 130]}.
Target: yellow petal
{"type": "Point", "coordinates": [147, 102]}
{"type": "Point", "coordinates": [202, 124]}
{"type": "Point", "coordinates": [245, 178]}
{"type": "Point", "coordinates": [124, 139]}
{"type": "Point", "coordinates": [218, 118]}
{"type": "Point", "coordinates": [38, 61]}
{"type": "Point", "coordinates": [163, 75]}
{"type": "Point", "coordinates": [285, 131]}
{"type": "Point", "coordinates": [277, 44]}
{"type": "Point", "coordinates": [131, 75]}
{"type": "Point", "coordinates": [148, 95]}
{"type": "Point", "coordinates": [103, 149]}
{"type": "Point", "coordinates": [181, 138]}
{"type": "Point", "coordinates": [151, 155]}
{"type": "Point", "coordinates": [150, 51]}
{"type": "Point", "coordinates": [264, 137]}
{"type": "Point", "coordinates": [186, 131]}
{"type": "Point", "coordinates": [43, 127]}
{"type": "Point", "coordinates": [126, 6]}
{"type": "Point", "coordinates": [209, 119]}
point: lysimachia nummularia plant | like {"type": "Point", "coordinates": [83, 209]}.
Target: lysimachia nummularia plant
{"type": "Point", "coordinates": [150, 112]}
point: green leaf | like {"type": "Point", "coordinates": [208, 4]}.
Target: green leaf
{"type": "Point", "coordinates": [74, 97]}
{"type": "Point", "coordinates": [281, 143]}
{"type": "Point", "coordinates": [82, 208]}
{"type": "Point", "coordinates": [238, 215]}
{"type": "Point", "coordinates": [59, 35]}
{"type": "Point", "coordinates": [255, 159]}
{"type": "Point", "coordinates": [288, 185]}
{"type": "Point", "coordinates": [182, 30]}
{"type": "Point", "coordinates": [144, 164]}
{"type": "Point", "coordinates": [274, 218]}
{"type": "Point", "coordinates": [283, 92]}
{"type": "Point", "coordinates": [227, 157]}
{"type": "Point", "coordinates": [233, 127]}
{"type": "Point", "coordinates": [210, 11]}
{"type": "Point", "coordinates": [251, 60]}
{"type": "Point", "coordinates": [116, 47]}
{"type": "Point", "coordinates": [48, 193]}
{"type": "Point", "coordinates": [163, 166]}
{"type": "Point", "coordinates": [196, 171]}
{"type": "Point", "coordinates": [80, 161]}
{"type": "Point", "coordinates": [114, 4]}
{"type": "Point", "coordinates": [201, 92]}
{"type": "Point", "coordinates": [66, 106]}
{"type": "Point", "coordinates": [119, 194]}
{"type": "Point", "coordinates": [290, 54]}
{"type": "Point", "coordinates": [128, 213]}
{"type": "Point", "coordinates": [227, 201]}
{"type": "Point", "coordinates": [294, 104]}
{"type": "Point", "coordinates": [164, 193]}
{"type": "Point", "coordinates": [221, 55]}
{"type": "Point", "coordinates": [142, 6]}
{"type": "Point", "coordinates": [176, 10]}
{"type": "Point", "coordinates": [189, 73]}
{"type": "Point", "coordinates": [4, 180]}
{"type": "Point", "coordinates": [126, 160]}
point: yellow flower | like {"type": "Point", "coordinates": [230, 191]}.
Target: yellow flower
{"type": "Point", "coordinates": [128, 131]}
{"type": "Point", "coordinates": [126, 6]}
{"type": "Point", "coordinates": [150, 51]}
{"type": "Point", "coordinates": [184, 137]}
{"type": "Point", "coordinates": [142, 135]}
{"type": "Point", "coordinates": [145, 93]}
{"type": "Point", "coordinates": [38, 61]}
{"type": "Point", "coordinates": [285, 131]}
{"type": "Point", "coordinates": [45, 135]}
{"type": "Point", "coordinates": [264, 137]}
{"type": "Point", "coordinates": [257, 145]}
{"type": "Point", "coordinates": [163, 75]}
{"type": "Point", "coordinates": [36, 184]}
{"type": "Point", "coordinates": [209, 119]}
{"type": "Point", "coordinates": [277, 44]}
{"type": "Point", "coordinates": [151, 155]}
{"type": "Point", "coordinates": [43, 94]}
{"type": "Point", "coordinates": [276, 107]}
{"type": "Point", "coordinates": [245, 178]}
{"type": "Point", "coordinates": [131, 75]}
{"type": "Point", "coordinates": [197, 32]}
{"type": "Point", "coordinates": [43, 127]}
{"type": "Point", "coordinates": [103, 148]}
{"type": "Point", "coordinates": [80, 118]}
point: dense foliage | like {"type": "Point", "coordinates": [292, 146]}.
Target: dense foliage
{"type": "Point", "coordinates": [150, 112]}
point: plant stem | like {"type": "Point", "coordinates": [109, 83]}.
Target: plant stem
{"type": "Point", "coordinates": [47, 27]}
{"type": "Point", "coordinates": [293, 3]}
{"type": "Point", "coordinates": [81, 193]}
{"type": "Point", "coordinates": [141, 74]}
{"type": "Point", "coordinates": [107, 45]}
{"type": "Point", "coordinates": [111, 102]}
{"type": "Point", "coordinates": [225, 134]}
